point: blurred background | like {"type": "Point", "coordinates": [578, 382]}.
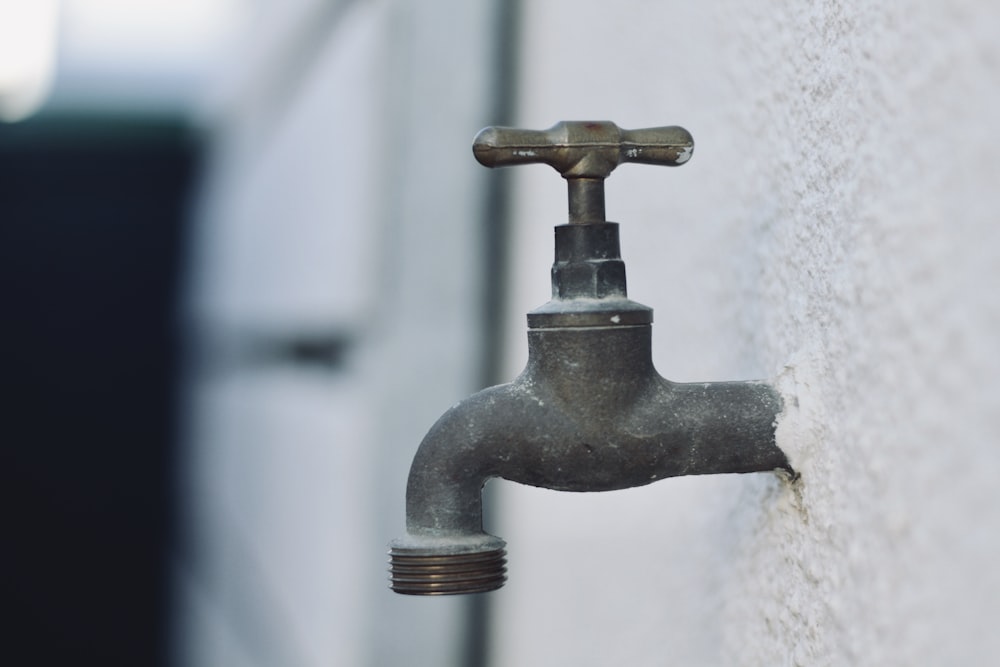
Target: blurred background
{"type": "Point", "coordinates": [227, 323]}
{"type": "Point", "coordinates": [247, 259]}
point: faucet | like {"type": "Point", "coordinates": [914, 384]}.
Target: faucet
{"type": "Point", "coordinates": [589, 412]}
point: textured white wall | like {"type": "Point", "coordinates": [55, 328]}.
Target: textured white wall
{"type": "Point", "coordinates": [836, 230]}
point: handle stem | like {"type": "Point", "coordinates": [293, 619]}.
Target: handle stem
{"type": "Point", "coordinates": [586, 200]}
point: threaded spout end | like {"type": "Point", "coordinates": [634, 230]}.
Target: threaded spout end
{"type": "Point", "coordinates": [423, 571]}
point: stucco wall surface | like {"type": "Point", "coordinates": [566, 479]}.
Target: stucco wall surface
{"type": "Point", "coordinates": [837, 231]}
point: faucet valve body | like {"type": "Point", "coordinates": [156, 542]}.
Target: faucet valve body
{"type": "Point", "coordinates": [589, 412]}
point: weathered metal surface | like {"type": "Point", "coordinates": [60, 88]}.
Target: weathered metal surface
{"type": "Point", "coordinates": [589, 412]}
{"type": "Point", "coordinates": [585, 153]}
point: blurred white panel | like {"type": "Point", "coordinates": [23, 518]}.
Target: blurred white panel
{"type": "Point", "coordinates": [288, 240]}
{"type": "Point", "coordinates": [341, 196]}
{"type": "Point", "coordinates": [276, 485]}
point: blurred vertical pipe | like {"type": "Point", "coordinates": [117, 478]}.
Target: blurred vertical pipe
{"type": "Point", "coordinates": [495, 239]}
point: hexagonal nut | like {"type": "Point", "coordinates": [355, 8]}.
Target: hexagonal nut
{"type": "Point", "coordinates": [595, 279]}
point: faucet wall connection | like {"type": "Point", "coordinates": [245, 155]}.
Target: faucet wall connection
{"type": "Point", "coordinates": [589, 412]}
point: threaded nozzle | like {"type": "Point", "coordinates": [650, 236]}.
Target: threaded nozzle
{"type": "Point", "coordinates": [422, 571]}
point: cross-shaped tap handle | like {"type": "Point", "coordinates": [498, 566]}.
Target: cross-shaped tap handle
{"type": "Point", "coordinates": [585, 153]}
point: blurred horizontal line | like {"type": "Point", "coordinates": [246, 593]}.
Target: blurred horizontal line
{"type": "Point", "coordinates": [326, 350]}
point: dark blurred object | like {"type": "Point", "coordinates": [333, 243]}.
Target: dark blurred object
{"type": "Point", "coordinates": [91, 223]}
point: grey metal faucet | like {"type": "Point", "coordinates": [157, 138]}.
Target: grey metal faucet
{"type": "Point", "coordinates": [589, 412]}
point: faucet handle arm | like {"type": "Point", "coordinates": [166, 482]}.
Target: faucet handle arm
{"type": "Point", "coordinates": [584, 153]}
{"type": "Point", "coordinates": [583, 149]}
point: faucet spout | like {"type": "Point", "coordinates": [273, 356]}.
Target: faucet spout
{"type": "Point", "coordinates": [589, 413]}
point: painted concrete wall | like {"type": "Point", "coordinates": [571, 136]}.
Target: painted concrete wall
{"type": "Point", "coordinates": [836, 231]}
